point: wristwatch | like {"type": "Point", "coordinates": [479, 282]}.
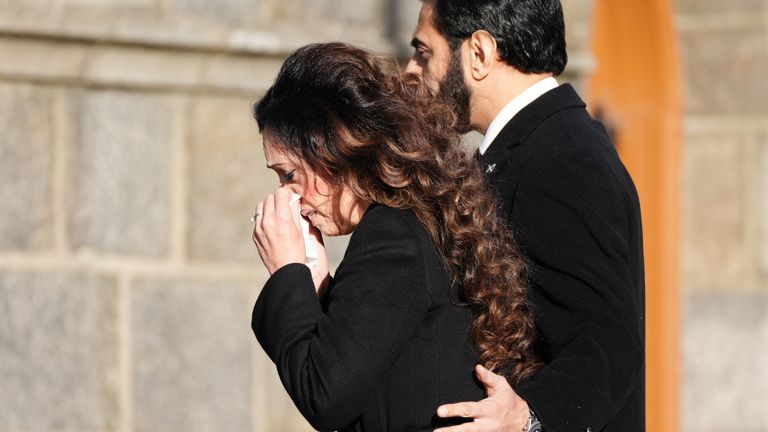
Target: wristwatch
{"type": "Point", "coordinates": [534, 425]}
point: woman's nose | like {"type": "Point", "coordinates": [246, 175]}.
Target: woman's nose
{"type": "Point", "coordinates": [290, 188]}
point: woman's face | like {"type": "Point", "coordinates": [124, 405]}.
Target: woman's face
{"type": "Point", "coordinates": [333, 209]}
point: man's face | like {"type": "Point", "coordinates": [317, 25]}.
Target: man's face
{"type": "Point", "coordinates": [440, 69]}
{"type": "Point", "coordinates": [431, 52]}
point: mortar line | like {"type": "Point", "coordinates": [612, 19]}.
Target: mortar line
{"type": "Point", "coordinates": [62, 137]}
{"type": "Point", "coordinates": [178, 180]}
{"type": "Point", "coordinates": [126, 343]}
{"type": "Point", "coordinates": [720, 21]}
{"type": "Point", "coordinates": [738, 123]}
{"type": "Point", "coordinates": [753, 206]}
{"type": "Point", "coordinates": [258, 404]}
{"type": "Point", "coordinates": [134, 266]}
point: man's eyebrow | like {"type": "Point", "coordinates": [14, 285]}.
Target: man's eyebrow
{"type": "Point", "coordinates": [417, 43]}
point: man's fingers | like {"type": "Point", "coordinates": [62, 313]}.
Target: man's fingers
{"type": "Point", "coordinates": [461, 409]}
{"type": "Point", "coordinates": [491, 381]}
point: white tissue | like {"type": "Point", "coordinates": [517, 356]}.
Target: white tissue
{"type": "Point", "coordinates": [309, 249]}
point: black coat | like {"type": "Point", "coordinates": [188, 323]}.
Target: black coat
{"type": "Point", "coordinates": [574, 211]}
{"type": "Point", "coordinates": [386, 347]}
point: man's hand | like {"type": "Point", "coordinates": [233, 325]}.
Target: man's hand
{"type": "Point", "coordinates": [502, 411]}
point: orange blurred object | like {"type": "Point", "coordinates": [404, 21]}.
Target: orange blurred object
{"type": "Point", "coordinates": [636, 90]}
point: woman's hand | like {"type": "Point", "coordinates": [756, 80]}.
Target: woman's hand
{"type": "Point", "coordinates": [278, 237]}
{"type": "Point", "coordinates": [277, 232]}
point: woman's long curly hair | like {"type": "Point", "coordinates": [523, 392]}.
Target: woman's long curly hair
{"type": "Point", "coordinates": [383, 135]}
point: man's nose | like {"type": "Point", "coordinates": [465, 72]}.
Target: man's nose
{"type": "Point", "coordinates": [413, 67]}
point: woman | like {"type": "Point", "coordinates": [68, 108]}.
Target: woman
{"type": "Point", "coordinates": [430, 283]}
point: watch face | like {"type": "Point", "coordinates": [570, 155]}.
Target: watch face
{"type": "Point", "coordinates": [534, 425]}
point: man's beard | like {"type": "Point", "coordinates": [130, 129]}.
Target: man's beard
{"type": "Point", "coordinates": [454, 91]}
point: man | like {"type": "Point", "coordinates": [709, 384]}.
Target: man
{"type": "Point", "coordinates": [570, 203]}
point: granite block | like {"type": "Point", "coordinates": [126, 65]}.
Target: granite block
{"type": "Point", "coordinates": [119, 173]}
{"type": "Point", "coordinates": [58, 352]}
{"type": "Point", "coordinates": [227, 177]}
{"type": "Point", "coordinates": [725, 368]}
{"type": "Point", "coordinates": [26, 167]}
{"type": "Point", "coordinates": [191, 355]}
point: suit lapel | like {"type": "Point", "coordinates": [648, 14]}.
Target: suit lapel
{"type": "Point", "coordinates": [501, 154]}
{"type": "Point", "coordinates": [504, 159]}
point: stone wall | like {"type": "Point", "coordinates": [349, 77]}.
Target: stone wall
{"type": "Point", "coordinates": [725, 214]}
{"type": "Point", "coordinates": [129, 166]}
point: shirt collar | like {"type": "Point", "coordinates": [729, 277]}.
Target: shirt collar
{"type": "Point", "coordinates": [513, 107]}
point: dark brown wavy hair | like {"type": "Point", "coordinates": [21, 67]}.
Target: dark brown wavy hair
{"type": "Point", "coordinates": [353, 122]}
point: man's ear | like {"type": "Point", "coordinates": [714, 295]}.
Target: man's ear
{"type": "Point", "coordinates": [482, 54]}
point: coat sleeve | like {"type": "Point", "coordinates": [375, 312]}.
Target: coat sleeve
{"type": "Point", "coordinates": [329, 362]}
{"type": "Point", "coordinates": [579, 215]}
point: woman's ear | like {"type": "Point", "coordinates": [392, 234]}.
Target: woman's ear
{"type": "Point", "coordinates": [481, 47]}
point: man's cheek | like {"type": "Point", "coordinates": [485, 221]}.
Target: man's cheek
{"type": "Point", "coordinates": [432, 83]}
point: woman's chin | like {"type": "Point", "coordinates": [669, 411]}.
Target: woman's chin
{"type": "Point", "coordinates": [333, 231]}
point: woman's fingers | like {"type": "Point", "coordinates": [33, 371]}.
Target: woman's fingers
{"type": "Point", "coordinates": [461, 409]}
{"type": "Point", "coordinates": [282, 204]}
{"type": "Point", "coordinates": [269, 208]}
{"type": "Point", "coordinates": [258, 215]}
{"type": "Point", "coordinates": [294, 205]}
{"type": "Point", "coordinates": [277, 238]}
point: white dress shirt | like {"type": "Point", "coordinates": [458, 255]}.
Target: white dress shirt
{"type": "Point", "coordinates": [513, 107]}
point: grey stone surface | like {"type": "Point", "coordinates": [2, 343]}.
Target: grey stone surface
{"type": "Point", "coordinates": [278, 411]}
{"type": "Point", "coordinates": [362, 22]}
{"type": "Point", "coordinates": [725, 352]}
{"type": "Point", "coordinates": [26, 167]}
{"type": "Point", "coordinates": [249, 75]}
{"type": "Point", "coordinates": [579, 33]}
{"type": "Point", "coordinates": [762, 210]}
{"type": "Point", "coordinates": [719, 6]}
{"type": "Point", "coordinates": [714, 214]}
{"type": "Point", "coordinates": [235, 12]}
{"type": "Point", "coordinates": [331, 13]}
{"type": "Point", "coordinates": [112, 4]}
{"type": "Point", "coordinates": [40, 59]}
{"type": "Point", "coordinates": [191, 355]}
{"type": "Point", "coordinates": [64, 9]}
{"type": "Point", "coordinates": [58, 352]}
{"type": "Point", "coordinates": [227, 177]}
{"type": "Point", "coordinates": [335, 248]}
{"type": "Point", "coordinates": [724, 70]}
{"type": "Point", "coordinates": [578, 18]}
{"type": "Point", "coordinates": [121, 157]}
{"type": "Point", "coordinates": [400, 30]}
{"type": "Point", "coordinates": [297, 21]}
{"type": "Point", "coordinates": [13, 7]}
{"type": "Point", "coordinates": [145, 67]}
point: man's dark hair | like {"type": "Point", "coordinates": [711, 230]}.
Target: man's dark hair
{"type": "Point", "coordinates": [530, 34]}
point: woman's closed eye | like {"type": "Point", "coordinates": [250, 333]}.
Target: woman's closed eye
{"type": "Point", "coordinates": [287, 177]}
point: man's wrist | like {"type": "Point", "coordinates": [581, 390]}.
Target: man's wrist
{"type": "Point", "coordinates": [534, 425]}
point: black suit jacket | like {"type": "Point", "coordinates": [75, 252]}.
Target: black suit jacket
{"type": "Point", "coordinates": [575, 213]}
{"type": "Point", "coordinates": [386, 348]}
